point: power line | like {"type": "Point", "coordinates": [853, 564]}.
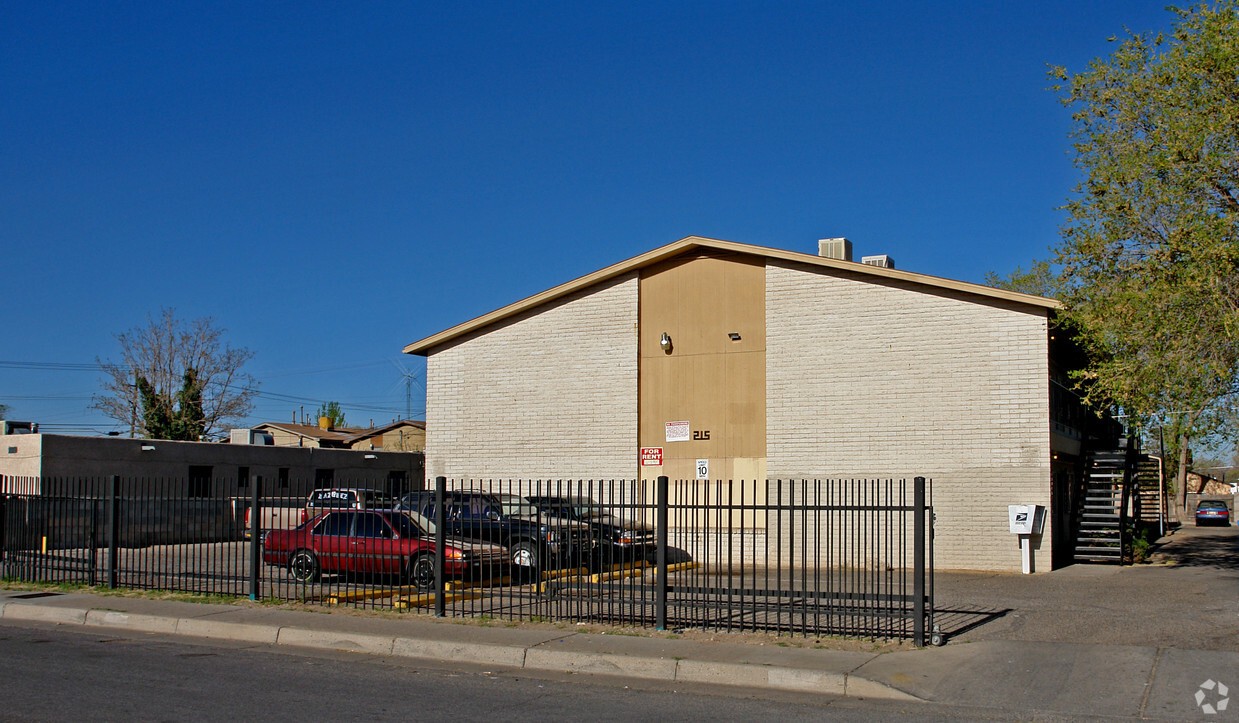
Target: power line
{"type": "Point", "coordinates": [255, 391]}
{"type": "Point", "coordinates": [57, 366]}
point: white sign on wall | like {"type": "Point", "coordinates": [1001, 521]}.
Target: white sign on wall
{"type": "Point", "coordinates": [677, 431]}
{"type": "Point", "coordinates": [703, 469]}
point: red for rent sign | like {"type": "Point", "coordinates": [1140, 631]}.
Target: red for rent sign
{"type": "Point", "coordinates": [651, 456]}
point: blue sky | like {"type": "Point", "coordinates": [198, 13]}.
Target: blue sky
{"type": "Point", "coordinates": [331, 181]}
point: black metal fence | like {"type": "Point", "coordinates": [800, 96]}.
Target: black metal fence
{"type": "Point", "coordinates": [804, 557]}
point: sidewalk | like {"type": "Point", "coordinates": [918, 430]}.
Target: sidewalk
{"type": "Point", "coordinates": [1019, 677]}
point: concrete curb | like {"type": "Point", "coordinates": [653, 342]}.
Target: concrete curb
{"type": "Point", "coordinates": [530, 657]}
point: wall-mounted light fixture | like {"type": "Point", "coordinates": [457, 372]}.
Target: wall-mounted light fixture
{"type": "Point", "coordinates": [148, 448]}
{"type": "Point", "coordinates": [665, 342]}
{"type": "Point", "coordinates": [371, 456]}
{"type": "Point", "coordinates": [734, 336]}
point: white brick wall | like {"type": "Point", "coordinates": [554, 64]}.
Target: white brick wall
{"type": "Point", "coordinates": [552, 394]}
{"type": "Point", "coordinates": [867, 380]}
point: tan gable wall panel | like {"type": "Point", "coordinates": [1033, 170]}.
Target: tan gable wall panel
{"type": "Point", "coordinates": [709, 380]}
{"type": "Point", "coordinates": [870, 380]}
{"type": "Point", "coordinates": [550, 394]}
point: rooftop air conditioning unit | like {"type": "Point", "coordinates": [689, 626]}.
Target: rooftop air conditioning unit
{"type": "Point", "coordinates": [881, 260]}
{"type": "Point", "coordinates": [250, 436]}
{"type": "Point", "coordinates": [835, 248]}
{"type": "Point", "coordinates": [11, 427]}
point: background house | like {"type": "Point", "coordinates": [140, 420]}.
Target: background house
{"type": "Point", "coordinates": [769, 364]}
{"type": "Point", "coordinates": [404, 435]}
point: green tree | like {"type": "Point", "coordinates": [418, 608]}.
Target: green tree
{"type": "Point", "coordinates": [194, 383]}
{"type": "Point", "coordinates": [332, 411]}
{"type": "Point", "coordinates": [1040, 280]}
{"type": "Point", "coordinates": [1150, 249]}
{"type": "Point", "coordinates": [176, 417]}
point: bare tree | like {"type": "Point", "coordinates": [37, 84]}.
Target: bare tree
{"type": "Point", "coordinates": [158, 356]}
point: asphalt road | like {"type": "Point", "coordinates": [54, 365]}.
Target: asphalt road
{"type": "Point", "coordinates": [58, 674]}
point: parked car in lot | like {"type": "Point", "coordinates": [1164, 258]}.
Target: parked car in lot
{"type": "Point", "coordinates": [621, 540]}
{"type": "Point", "coordinates": [338, 498]}
{"type": "Point", "coordinates": [1212, 512]}
{"type": "Point", "coordinates": [379, 542]}
{"type": "Point", "coordinates": [535, 542]}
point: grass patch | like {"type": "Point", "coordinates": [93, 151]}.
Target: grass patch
{"type": "Point", "coordinates": [1143, 535]}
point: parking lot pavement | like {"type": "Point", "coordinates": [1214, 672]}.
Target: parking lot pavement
{"type": "Point", "coordinates": [1187, 596]}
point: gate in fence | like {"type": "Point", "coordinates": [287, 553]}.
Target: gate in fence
{"type": "Point", "coordinates": [798, 557]}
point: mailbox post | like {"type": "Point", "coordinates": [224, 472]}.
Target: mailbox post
{"type": "Point", "coordinates": [1026, 521]}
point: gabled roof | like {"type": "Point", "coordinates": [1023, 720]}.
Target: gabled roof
{"type": "Point", "coordinates": [692, 243]}
{"type": "Point", "coordinates": [343, 435]}
{"type": "Point", "coordinates": [366, 433]}
{"type": "Point", "coordinates": [310, 431]}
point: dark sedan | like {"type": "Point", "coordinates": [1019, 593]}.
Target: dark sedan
{"type": "Point", "coordinates": [623, 540]}
{"type": "Point", "coordinates": [536, 543]}
{"type": "Point", "coordinates": [378, 542]}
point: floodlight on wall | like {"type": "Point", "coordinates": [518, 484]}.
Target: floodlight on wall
{"type": "Point", "coordinates": [148, 448]}
{"type": "Point", "coordinates": [371, 456]}
{"type": "Point", "coordinates": [665, 342]}
{"type": "Point", "coordinates": [734, 336]}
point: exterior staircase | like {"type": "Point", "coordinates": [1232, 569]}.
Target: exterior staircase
{"type": "Point", "coordinates": [1150, 503]}
{"type": "Point", "coordinates": [1102, 512]}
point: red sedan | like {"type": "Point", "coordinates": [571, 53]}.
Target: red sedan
{"type": "Point", "coordinates": [381, 542]}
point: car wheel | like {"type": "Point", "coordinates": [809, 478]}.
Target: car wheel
{"type": "Point", "coordinates": [303, 566]}
{"type": "Point", "coordinates": [421, 571]}
{"type": "Point", "coordinates": [525, 555]}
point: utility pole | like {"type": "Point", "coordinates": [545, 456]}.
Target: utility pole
{"type": "Point", "coordinates": [133, 406]}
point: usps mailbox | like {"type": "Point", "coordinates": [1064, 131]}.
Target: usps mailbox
{"type": "Point", "coordinates": [1026, 521]}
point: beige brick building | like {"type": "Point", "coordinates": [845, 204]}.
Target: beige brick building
{"type": "Point", "coordinates": [783, 366]}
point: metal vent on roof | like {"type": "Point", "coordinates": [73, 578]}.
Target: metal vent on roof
{"type": "Point", "coordinates": [835, 248]}
{"type": "Point", "coordinates": [881, 260]}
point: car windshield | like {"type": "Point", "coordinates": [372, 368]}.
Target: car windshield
{"type": "Point", "coordinates": [587, 512]}
{"type": "Point", "coordinates": [405, 525]}
{"type": "Point", "coordinates": [516, 506]}
{"type": "Point", "coordinates": [1212, 505]}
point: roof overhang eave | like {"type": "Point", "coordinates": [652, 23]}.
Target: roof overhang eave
{"type": "Point", "coordinates": [425, 346]}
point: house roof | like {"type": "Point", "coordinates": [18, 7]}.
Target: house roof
{"type": "Point", "coordinates": [366, 433]}
{"type": "Point", "coordinates": [693, 243]}
{"type": "Point", "coordinates": [310, 431]}
{"type": "Point", "coordinates": [343, 435]}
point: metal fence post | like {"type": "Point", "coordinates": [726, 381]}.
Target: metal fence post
{"type": "Point", "coordinates": [440, 546]}
{"type": "Point", "coordinates": [4, 537]}
{"type": "Point", "coordinates": [918, 562]}
{"type": "Point", "coordinates": [255, 537]}
{"type": "Point", "coordinates": [113, 530]}
{"type": "Point", "coordinates": [660, 524]}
